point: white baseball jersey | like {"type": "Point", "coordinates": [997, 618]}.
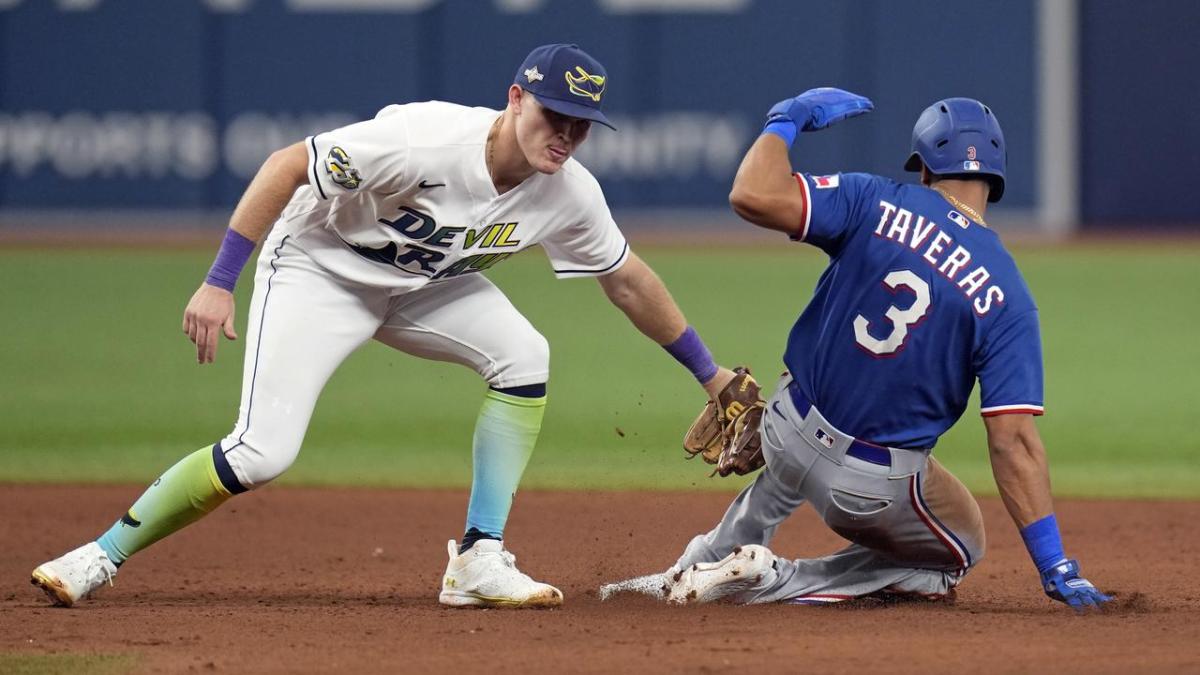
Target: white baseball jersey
{"type": "Point", "coordinates": [405, 199]}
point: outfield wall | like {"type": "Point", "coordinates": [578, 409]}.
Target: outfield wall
{"type": "Point", "coordinates": [144, 107]}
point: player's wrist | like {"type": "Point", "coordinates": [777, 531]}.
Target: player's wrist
{"type": "Point", "coordinates": [1044, 543]}
{"type": "Point", "coordinates": [216, 287]}
{"type": "Point", "coordinates": [783, 128]}
{"type": "Point", "coordinates": [231, 258]}
{"type": "Point", "coordinates": [689, 350]}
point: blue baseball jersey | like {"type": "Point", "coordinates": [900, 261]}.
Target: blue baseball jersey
{"type": "Point", "coordinates": [917, 303]}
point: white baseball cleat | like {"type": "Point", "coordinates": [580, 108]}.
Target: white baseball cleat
{"type": "Point", "coordinates": [486, 575]}
{"type": "Point", "coordinates": [72, 577]}
{"type": "Point", "coordinates": [708, 582]}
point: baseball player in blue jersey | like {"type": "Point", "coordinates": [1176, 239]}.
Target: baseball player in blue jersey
{"type": "Point", "coordinates": [919, 301]}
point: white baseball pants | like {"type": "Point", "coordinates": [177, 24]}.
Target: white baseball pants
{"type": "Point", "coordinates": [303, 322]}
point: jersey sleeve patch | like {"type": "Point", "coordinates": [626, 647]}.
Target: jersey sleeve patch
{"type": "Point", "coordinates": [340, 169]}
{"type": "Point", "coordinates": [367, 156]}
{"type": "Point", "coordinates": [1020, 409]}
{"type": "Point", "coordinates": [826, 182]}
{"type": "Point", "coordinates": [806, 215]}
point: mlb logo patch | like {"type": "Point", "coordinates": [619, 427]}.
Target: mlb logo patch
{"type": "Point", "coordinates": [823, 438]}
{"type": "Point", "coordinates": [958, 219]}
{"type": "Point", "coordinates": [970, 166]}
{"type": "Point", "coordinates": [825, 182]}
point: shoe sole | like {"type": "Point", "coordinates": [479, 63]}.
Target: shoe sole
{"type": "Point", "coordinates": [738, 572]}
{"type": "Point", "coordinates": [52, 587]}
{"type": "Point", "coordinates": [457, 599]}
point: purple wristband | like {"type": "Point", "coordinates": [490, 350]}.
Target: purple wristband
{"type": "Point", "coordinates": [235, 251]}
{"type": "Point", "coordinates": [689, 350]}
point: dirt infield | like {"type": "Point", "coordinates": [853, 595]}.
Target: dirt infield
{"type": "Point", "coordinates": [297, 580]}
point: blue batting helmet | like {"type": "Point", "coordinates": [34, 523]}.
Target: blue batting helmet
{"type": "Point", "coordinates": [960, 136]}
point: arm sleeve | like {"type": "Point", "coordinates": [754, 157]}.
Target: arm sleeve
{"type": "Point", "coordinates": [831, 205]}
{"type": "Point", "coordinates": [370, 155]}
{"type": "Point", "coordinates": [592, 246]}
{"type": "Point", "coordinates": [1010, 367]}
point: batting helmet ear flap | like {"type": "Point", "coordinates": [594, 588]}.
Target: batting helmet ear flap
{"type": "Point", "coordinates": [960, 136]}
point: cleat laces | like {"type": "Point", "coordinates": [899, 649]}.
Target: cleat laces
{"type": "Point", "coordinates": [97, 573]}
{"type": "Point", "coordinates": [509, 562]}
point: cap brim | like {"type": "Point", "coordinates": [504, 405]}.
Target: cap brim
{"type": "Point", "coordinates": [572, 109]}
{"type": "Point", "coordinates": [914, 162]}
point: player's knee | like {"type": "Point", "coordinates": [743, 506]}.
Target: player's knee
{"type": "Point", "coordinates": [530, 363]}
{"type": "Point", "coordinates": [972, 533]}
{"type": "Point", "coordinates": [977, 545]}
{"type": "Point", "coordinates": [269, 466]}
{"type": "Point", "coordinates": [256, 464]}
{"type": "Point", "coordinates": [537, 353]}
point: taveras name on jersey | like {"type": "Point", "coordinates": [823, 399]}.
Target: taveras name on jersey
{"type": "Point", "coordinates": [894, 225]}
{"type": "Point", "coordinates": [917, 303]}
{"type": "Point", "coordinates": [406, 199]}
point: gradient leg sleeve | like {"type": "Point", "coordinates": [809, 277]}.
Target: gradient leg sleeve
{"type": "Point", "coordinates": [181, 496]}
{"type": "Point", "coordinates": [505, 434]}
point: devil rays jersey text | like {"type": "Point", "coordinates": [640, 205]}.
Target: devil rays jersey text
{"type": "Point", "coordinates": [405, 199]}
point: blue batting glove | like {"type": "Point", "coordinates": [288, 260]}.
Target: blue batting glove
{"type": "Point", "coordinates": [818, 108]}
{"type": "Point", "coordinates": [1063, 583]}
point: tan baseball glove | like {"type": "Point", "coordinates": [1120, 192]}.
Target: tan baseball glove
{"type": "Point", "coordinates": [726, 432]}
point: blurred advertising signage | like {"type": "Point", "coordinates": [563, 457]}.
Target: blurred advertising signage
{"type": "Point", "coordinates": [412, 6]}
{"type": "Point", "coordinates": [148, 144]}
{"type": "Point", "coordinates": [191, 145]}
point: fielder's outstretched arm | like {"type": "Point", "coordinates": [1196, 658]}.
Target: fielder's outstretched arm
{"type": "Point", "coordinates": [211, 308]}
{"type": "Point", "coordinates": [638, 292]}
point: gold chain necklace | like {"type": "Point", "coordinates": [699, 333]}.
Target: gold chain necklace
{"type": "Point", "coordinates": [493, 132]}
{"type": "Point", "coordinates": [961, 206]}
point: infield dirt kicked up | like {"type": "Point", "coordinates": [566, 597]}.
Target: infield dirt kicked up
{"type": "Point", "coordinates": [307, 580]}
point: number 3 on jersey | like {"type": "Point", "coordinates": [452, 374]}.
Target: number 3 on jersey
{"type": "Point", "coordinates": [901, 319]}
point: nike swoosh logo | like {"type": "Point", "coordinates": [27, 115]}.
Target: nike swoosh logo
{"type": "Point", "coordinates": [775, 407]}
{"type": "Point", "coordinates": [423, 185]}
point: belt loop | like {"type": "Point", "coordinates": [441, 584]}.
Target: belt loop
{"type": "Point", "coordinates": [907, 462]}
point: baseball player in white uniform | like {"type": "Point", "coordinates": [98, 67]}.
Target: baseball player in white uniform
{"type": "Point", "coordinates": [380, 230]}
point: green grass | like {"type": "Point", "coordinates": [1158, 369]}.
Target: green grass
{"type": "Point", "coordinates": [67, 664]}
{"type": "Point", "coordinates": [97, 383]}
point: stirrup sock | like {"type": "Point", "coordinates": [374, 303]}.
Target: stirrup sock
{"type": "Point", "coordinates": [184, 494]}
{"type": "Point", "coordinates": [505, 433]}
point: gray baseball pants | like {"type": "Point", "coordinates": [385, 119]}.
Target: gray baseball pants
{"type": "Point", "coordinates": [914, 527]}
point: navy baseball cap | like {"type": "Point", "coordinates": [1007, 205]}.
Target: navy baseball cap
{"type": "Point", "coordinates": [565, 79]}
